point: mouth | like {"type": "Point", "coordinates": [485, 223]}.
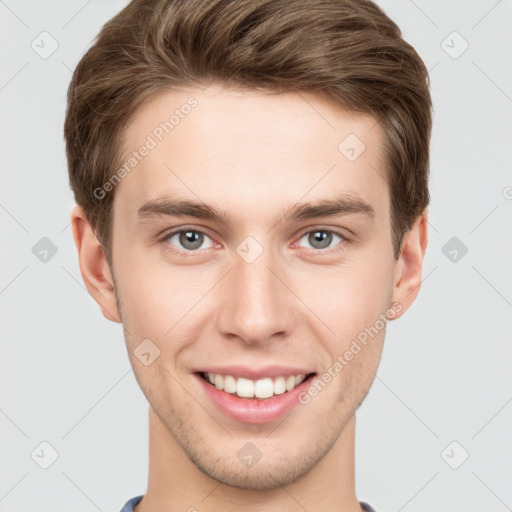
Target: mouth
{"type": "Point", "coordinates": [255, 402]}
{"type": "Point", "coordinates": [248, 389]}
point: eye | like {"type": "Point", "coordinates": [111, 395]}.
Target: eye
{"type": "Point", "coordinates": [189, 239]}
{"type": "Point", "coordinates": [183, 241]}
{"type": "Point", "coordinates": [321, 239]}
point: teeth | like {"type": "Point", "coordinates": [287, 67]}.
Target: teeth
{"type": "Point", "coordinates": [230, 384]}
{"type": "Point", "coordinates": [279, 386]}
{"type": "Point", "coordinates": [246, 388]}
{"type": "Point", "coordinates": [219, 381]}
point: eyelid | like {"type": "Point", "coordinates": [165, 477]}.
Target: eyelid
{"type": "Point", "coordinates": [338, 231]}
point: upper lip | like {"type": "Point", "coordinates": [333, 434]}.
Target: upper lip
{"type": "Point", "coordinates": [253, 373]}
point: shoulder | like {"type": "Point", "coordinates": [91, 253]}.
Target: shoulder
{"type": "Point", "coordinates": [128, 506]}
{"type": "Point", "coordinates": [364, 506]}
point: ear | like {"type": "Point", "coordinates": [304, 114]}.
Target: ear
{"type": "Point", "coordinates": [93, 265]}
{"type": "Point", "coordinates": [409, 266]}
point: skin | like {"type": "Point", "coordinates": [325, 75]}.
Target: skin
{"type": "Point", "coordinates": [253, 155]}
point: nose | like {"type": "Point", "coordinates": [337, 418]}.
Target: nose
{"type": "Point", "coordinates": [255, 303]}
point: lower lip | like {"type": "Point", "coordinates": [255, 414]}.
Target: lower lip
{"type": "Point", "coordinates": [256, 410]}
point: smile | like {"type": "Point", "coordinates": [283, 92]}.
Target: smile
{"type": "Point", "coordinates": [247, 388]}
{"type": "Point", "coordinates": [254, 401]}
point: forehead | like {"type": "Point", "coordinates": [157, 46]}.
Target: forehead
{"type": "Point", "coordinates": [249, 150]}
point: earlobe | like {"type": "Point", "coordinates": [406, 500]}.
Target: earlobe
{"type": "Point", "coordinates": [409, 266]}
{"type": "Point", "coordinates": [93, 265]}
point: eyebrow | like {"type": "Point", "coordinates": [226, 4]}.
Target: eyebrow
{"type": "Point", "coordinates": [344, 205]}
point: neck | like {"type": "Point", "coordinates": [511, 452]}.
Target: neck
{"type": "Point", "coordinates": [175, 483]}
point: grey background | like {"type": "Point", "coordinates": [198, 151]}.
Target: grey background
{"type": "Point", "coordinates": [445, 374]}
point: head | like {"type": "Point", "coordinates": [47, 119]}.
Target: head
{"type": "Point", "coordinates": [282, 121]}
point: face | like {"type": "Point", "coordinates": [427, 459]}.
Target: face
{"type": "Point", "coordinates": [286, 269]}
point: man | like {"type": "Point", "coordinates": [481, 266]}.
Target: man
{"type": "Point", "coordinates": [251, 181]}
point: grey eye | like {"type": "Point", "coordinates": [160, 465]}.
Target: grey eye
{"type": "Point", "coordinates": [321, 238]}
{"type": "Point", "coordinates": [189, 239]}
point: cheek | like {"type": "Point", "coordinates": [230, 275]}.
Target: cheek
{"type": "Point", "coordinates": [146, 291]}
{"type": "Point", "coordinates": [348, 299]}
{"type": "Point", "coordinates": [161, 304]}
{"type": "Point", "coordinates": [353, 305]}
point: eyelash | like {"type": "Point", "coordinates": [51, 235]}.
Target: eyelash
{"type": "Point", "coordinates": [187, 253]}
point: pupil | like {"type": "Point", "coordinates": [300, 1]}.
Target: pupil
{"type": "Point", "coordinates": [323, 237]}
{"type": "Point", "coordinates": [191, 239]}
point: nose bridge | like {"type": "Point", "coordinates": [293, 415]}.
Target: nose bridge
{"type": "Point", "coordinates": [256, 303]}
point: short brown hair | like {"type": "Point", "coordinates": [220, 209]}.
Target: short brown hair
{"type": "Point", "coordinates": [346, 51]}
